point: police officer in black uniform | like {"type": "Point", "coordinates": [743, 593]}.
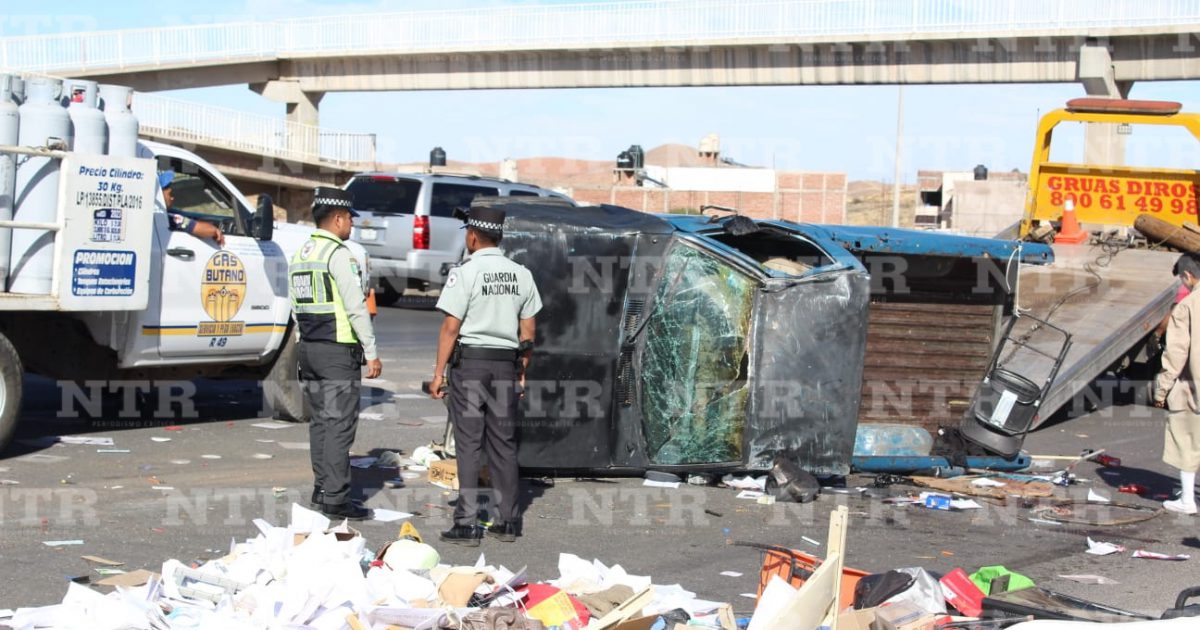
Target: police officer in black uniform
{"type": "Point", "coordinates": [336, 340]}
{"type": "Point", "coordinates": [490, 303]}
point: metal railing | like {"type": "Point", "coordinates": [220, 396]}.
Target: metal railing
{"type": "Point", "coordinates": [640, 23]}
{"type": "Point", "coordinates": [185, 121]}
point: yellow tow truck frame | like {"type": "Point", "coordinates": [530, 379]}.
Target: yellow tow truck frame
{"type": "Point", "coordinates": [1110, 195]}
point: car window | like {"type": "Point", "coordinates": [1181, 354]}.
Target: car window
{"type": "Point", "coordinates": [384, 194]}
{"type": "Point", "coordinates": [516, 192]}
{"type": "Point", "coordinates": [447, 197]}
{"type": "Point", "coordinates": [200, 196]}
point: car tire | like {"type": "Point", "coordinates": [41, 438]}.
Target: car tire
{"type": "Point", "coordinates": [11, 377]}
{"type": "Point", "coordinates": [282, 392]}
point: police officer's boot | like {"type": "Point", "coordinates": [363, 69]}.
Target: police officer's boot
{"type": "Point", "coordinates": [466, 535]}
{"type": "Point", "coordinates": [348, 510]}
{"type": "Point", "coordinates": [318, 497]}
{"type": "Point", "coordinates": [504, 531]}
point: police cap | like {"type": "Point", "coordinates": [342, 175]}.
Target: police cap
{"type": "Point", "coordinates": [487, 220]}
{"type": "Point", "coordinates": [326, 199]}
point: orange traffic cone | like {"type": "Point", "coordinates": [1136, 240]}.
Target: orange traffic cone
{"type": "Point", "coordinates": [1070, 232]}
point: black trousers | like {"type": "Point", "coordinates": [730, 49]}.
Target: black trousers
{"type": "Point", "coordinates": [331, 374]}
{"type": "Point", "coordinates": [483, 406]}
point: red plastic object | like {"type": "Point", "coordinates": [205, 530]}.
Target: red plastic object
{"type": "Point", "coordinates": [962, 593]}
{"type": "Point", "coordinates": [1133, 488]}
{"type": "Point", "coordinates": [1108, 461]}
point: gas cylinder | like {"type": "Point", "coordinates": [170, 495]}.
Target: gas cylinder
{"type": "Point", "coordinates": [90, 130]}
{"type": "Point", "coordinates": [31, 260]}
{"type": "Point", "coordinates": [122, 124]}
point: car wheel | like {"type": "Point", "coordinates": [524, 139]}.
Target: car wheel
{"type": "Point", "coordinates": [11, 375]}
{"type": "Point", "coordinates": [282, 392]}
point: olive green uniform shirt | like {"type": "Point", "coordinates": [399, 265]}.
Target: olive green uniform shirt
{"type": "Point", "coordinates": [490, 294]}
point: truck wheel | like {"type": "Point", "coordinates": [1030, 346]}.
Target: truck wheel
{"type": "Point", "coordinates": [11, 376]}
{"type": "Point", "coordinates": [281, 389]}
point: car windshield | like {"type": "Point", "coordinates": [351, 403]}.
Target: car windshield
{"type": "Point", "coordinates": [384, 194]}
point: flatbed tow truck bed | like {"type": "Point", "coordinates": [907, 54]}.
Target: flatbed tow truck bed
{"type": "Point", "coordinates": [1109, 304]}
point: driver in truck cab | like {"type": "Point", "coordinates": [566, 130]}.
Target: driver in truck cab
{"type": "Point", "coordinates": [180, 223]}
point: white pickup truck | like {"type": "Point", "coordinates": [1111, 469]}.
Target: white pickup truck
{"type": "Point", "coordinates": [131, 300]}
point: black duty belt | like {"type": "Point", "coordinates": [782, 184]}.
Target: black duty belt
{"type": "Point", "coordinates": [489, 354]}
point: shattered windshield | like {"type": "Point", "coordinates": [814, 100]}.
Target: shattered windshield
{"type": "Point", "coordinates": [695, 359]}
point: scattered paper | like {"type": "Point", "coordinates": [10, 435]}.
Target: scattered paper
{"type": "Point", "coordinates": [9, 482]}
{"type": "Point", "coordinates": [1089, 579]}
{"type": "Point", "coordinates": [749, 494]}
{"type": "Point", "coordinates": [61, 543]}
{"type": "Point", "coordinates": [85, 440]}
{"type": "Point", "coordinates": [748, 595]}
{"type": "Point", "coordinates": [162, 487]}
{"type": "Point", "coordinates": [965, 504]}
{"type": "Point", "coordinates": [1150, 555]}
{"type": "Point", "coordinates": [1096, 497]}
{"type": "Point", "coordinates": [41, 458]}
{"type": "Point", "coordinates": [266, 441]}
{"type": "Point", "coordinates": [650, 483]}
{"type": "Point", "coordinates": [1103, 548]}
{"type": "Point", "coordinates": [745, 483]}
{"type": "Point", "coordinates": [112, 450]}
{"type": "Point", "coordinates": [210, 457]}
{"type": "Point", "coordinates": [106, 571]}
{"type": "Point", "coordinates": [810, 541]}
{"type": "Point", "coordinates": [387, 516]}
{"type": "Point", "coordinates": [160, 439]}
{"type": "Point", "coordinates": [6, 613]}
{"type": "Point", "coordinates": [181, 462]}
{"type": "Point", "coordinates": [295, 446]}
{"type": "Point", "coordinates": [987, 482]}
{"type": "Point", "coordinates": [261, 456]}
{"type": "Point", "coordinates": [370, 416]}
{"type": "Point", "coordinates": [272, 425]}
{"type": "Point", "coordinates": [104, 561]}
{"type": "Point", "coordinates": [731, 574]}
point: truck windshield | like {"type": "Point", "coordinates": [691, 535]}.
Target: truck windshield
{"type": "Point", "coordinates": [384, 194]}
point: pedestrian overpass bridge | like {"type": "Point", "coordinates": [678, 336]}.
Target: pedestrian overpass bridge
{"type": "Point", "coordinates": [1104, 44]}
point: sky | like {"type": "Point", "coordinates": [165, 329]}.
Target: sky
{"type": "Point", "coordinates": [849, 129]}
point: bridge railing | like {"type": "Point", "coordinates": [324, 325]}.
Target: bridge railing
{"type": "Point", "coordinates": [207, 125]}
{"type": "Point", "coordinates": [636, 23]}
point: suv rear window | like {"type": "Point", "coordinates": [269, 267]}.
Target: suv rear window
{"type": "Point", "coordinates": [384, 195]}
{"type": "Point", "coordinates": [447, 197]}
{"type": "Point", "coordinates": [517, 192]}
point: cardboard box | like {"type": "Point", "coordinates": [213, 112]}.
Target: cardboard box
{"type": "Point", "coordinates": [444, 473]}
{"type": "Point", "coordinates": [902, 616]}
{"type": "Point", "coordinates": [856, 619]}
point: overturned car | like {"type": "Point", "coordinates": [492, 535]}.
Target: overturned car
{"type": "Point", "coordinates": [695, 343]}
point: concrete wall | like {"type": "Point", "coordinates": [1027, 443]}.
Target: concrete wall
{"type": "Point", "coordinates": [800, 197]}
{"type": "Point", "coordinates": [985, 208]}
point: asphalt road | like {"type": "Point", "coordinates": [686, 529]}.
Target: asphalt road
{"type": "Point", "coordinates": [219, 471]}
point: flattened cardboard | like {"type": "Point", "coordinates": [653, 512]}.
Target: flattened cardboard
{"type": "Point", "coordinates": [129, 580]}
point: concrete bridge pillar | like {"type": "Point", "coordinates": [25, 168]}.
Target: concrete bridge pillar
{"type": "Point", "coordinates": [303, 108]}
{"type": "Point", "coordinates": [1102, 142]}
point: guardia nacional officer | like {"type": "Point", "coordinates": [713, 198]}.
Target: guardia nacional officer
{"type": "Point", "coordinates": [336, 337]}
{"type": "Point", "coordinates": [489, 303]}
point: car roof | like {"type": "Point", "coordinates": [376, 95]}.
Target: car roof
{"type": "Point", "coordinates": [464, 177]}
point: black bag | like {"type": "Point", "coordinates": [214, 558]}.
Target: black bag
{"type": "Point", "coordinates": [873, 590]}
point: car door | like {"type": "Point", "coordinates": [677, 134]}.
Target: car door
{"type": "Point", "coordinates": [216, 302]}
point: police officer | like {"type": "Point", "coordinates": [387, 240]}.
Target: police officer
{"type": "Point", "coordinates": [335, 338]}
{"type": "Point", "coordinates": [490, 303]}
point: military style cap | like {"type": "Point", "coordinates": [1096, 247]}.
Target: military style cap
{"type": "Point", "coordinates": [488, 220]}
{"type": "Point", "coordinates": [327, 199]}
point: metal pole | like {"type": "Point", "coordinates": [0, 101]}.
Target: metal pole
{"type": "Point", "coordinates": [899, 139]}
